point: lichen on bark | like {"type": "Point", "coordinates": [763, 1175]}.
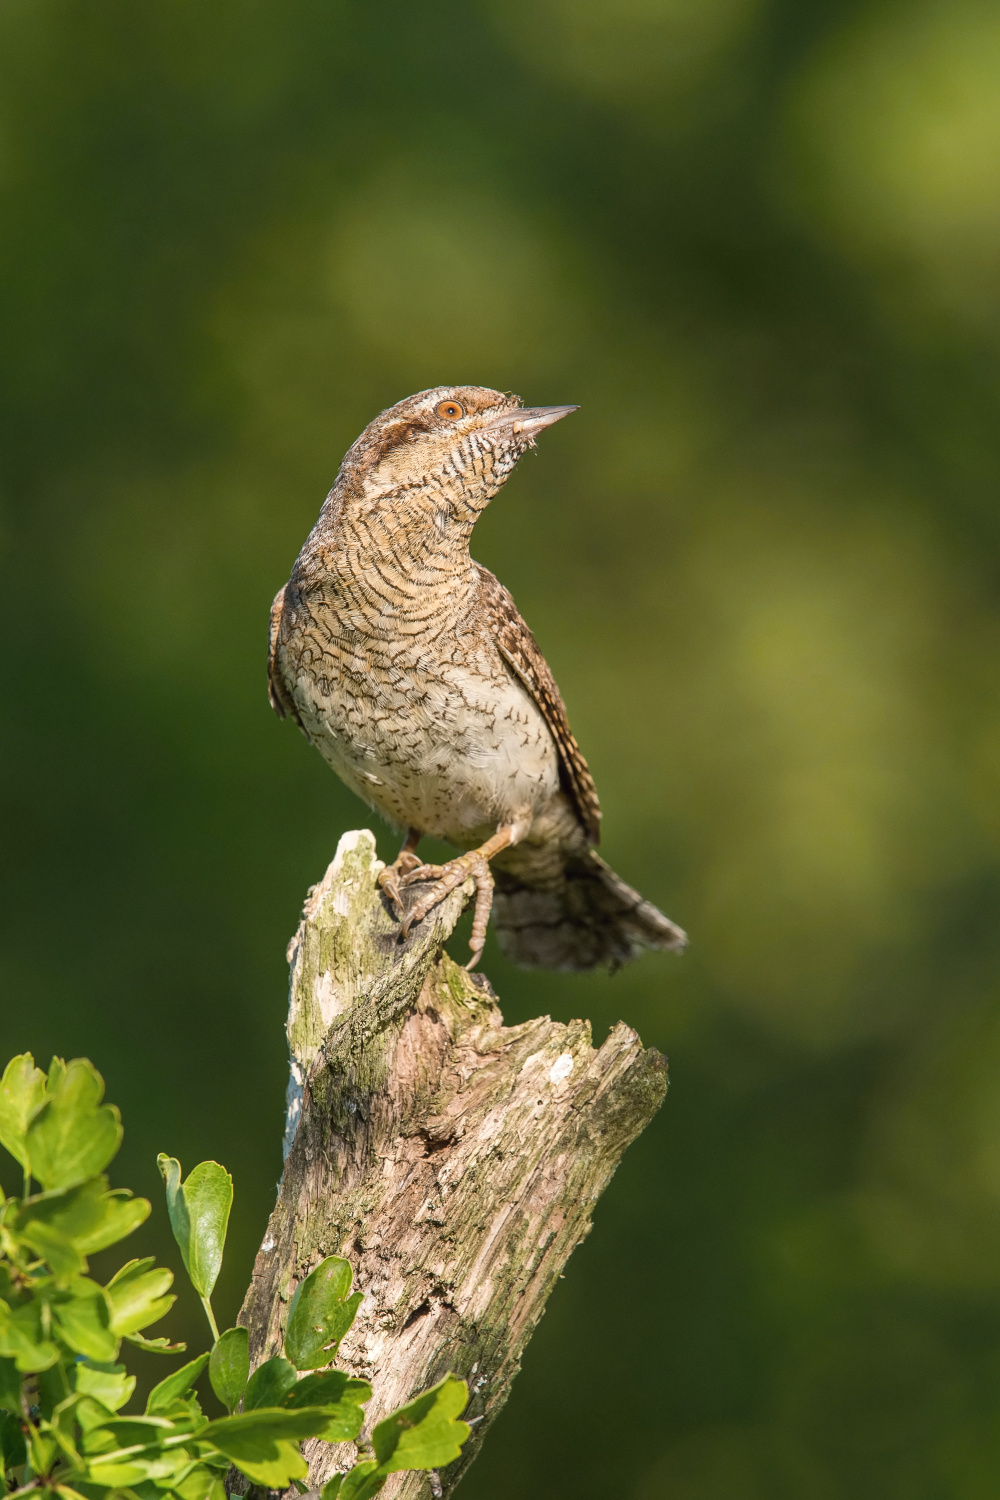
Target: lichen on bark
{"type": "Point", "coordinates": [454, 1161]}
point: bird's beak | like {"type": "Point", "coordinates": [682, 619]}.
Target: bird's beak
{"type": "Point", "coordinates": [530, 420]}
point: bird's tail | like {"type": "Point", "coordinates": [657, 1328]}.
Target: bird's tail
{"type": "Point", "coordinates": [587, 919]}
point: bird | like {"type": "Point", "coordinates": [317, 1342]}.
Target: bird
{"type": "Point", "coordinates": [408, 667]}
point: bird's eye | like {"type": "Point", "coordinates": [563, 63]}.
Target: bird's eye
{"type": "Point", "coordinates": [450, 410]}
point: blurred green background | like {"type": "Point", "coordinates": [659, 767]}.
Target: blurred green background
{"type": "Point", "coordinates": [759, 242]}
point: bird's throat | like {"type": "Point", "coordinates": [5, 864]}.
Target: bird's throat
{"type": "Point", "coordinates": [401, 559]}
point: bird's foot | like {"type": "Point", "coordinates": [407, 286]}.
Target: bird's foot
{"type": "Point", "coordinates": [448, 878]}
{"type": "Point", "coordinates": [393, 877]}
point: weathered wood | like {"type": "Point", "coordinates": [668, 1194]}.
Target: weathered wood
{"type": "Point", "coordinates": [454, 1161]}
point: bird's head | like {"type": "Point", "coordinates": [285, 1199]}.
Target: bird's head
{"type": "Point", "coordinates": [457, 441]}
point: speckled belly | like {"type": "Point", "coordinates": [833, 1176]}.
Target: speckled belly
{"type": "Point", "coordinates": [452, 757]}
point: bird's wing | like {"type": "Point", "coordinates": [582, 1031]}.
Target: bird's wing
{"type": "Point", "coordinates": [277, 692]}
{"type": "Point", "coordinates": [520, 651]}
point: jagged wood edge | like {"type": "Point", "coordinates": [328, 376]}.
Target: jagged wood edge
{"type": "Point", "coordinates": [394, 1038]}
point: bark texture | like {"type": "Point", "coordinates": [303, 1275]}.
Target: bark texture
{"type": "Point", "coordinates": [454, 1161]}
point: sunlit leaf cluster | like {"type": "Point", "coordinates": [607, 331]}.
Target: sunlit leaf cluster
{"type": "Point", "coordinates": [63, 1427]}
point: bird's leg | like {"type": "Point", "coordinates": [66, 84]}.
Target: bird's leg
{"type": "Point", "coordinates": [481, 915]}
{"type": "Point", "coordinates": [447, 877]}
{"type": "Point", "coordinates": [406, 860]}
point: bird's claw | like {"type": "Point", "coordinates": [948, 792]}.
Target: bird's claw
{"type": "Point", "coordinates": [389, 882]}
{"type": "Point", "coordinates": [426, 872]}
{"type": "Point", "coordinates": [448, 878]}
{"type": "Point", "coordinates": [394, 877]}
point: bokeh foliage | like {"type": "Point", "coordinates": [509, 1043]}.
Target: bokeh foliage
{"type": "Point", "coordinates": [758, 242]}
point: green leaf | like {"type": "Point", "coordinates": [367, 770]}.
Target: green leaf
{"type": "Point", "coordinates": [215, 1459]}
{"type": "Point", "coordinates": [58, 1252]}
{"type": "Point", "coordinates": [328, 1389]}
{"type": "Point", "coordinates": [75, 1211]}
{"type": "Point", "coordinates": [51, 1388]}
{"type": "Point", "coordinates": [266, 1424]}
{"type": "Point", "coordinates": [176, 1384]}
{"type": "Point", "coordinates": [83, 1321]}
{"type": "Point", "coordinates": [200, 1484]}
{"type": "Point", "coordinates": [22, 1092]}
{"type": "Point", "coordinates": [229, 1366]}
{"type": "Point", "coordinates": [73, 1136]}
{"type": "Point", "coordinates": [10, 1386]}
{"type": "Point", "coordinates": [341, 1398]}
{"type": "Point", "coordinates": [331, 1489]}
{"type": "Point", "coordinates": [21, 1338]}
{"type": "Point", "coordinates": [108, 1384]}
{"type": "Point", "coordinates": [199, 1216]}
{"type": "Point", "coordinates": [363, 1481]}
{"type": "Point", "coordinates": [264, 1443]}
{"type": "Point", "coordinates": [12, 1449]}
{"type": "Point", "coordinates": [283, 1463]}
{"type": "Point", "coordinates": [119, 1476]}
{"type": "Point", "coordinates": [63, 1491]}
{"type": "Point", "coordinates": [269, 1383]}
{"type": "Point", "coordinates": [320, 1314]}
{"type": "Point", "coordinates": [127, 1431]}
{"type": "Point", "coordinates": [62, 1424]}
{"type": "Point", "coordinates": [155, 1346]}
{"type": "Point", "coordinates": [170, 1170]}
{"type": "Point", "coordinates": [424, 1434]}
{"type": "Point", "coordinates": [87, 1214]}
{"type": "Point", "coordinates": [344, 1422]}
{"type": "Point", "coordinates": [42, 1448]}
{"type": "Point", "coordinates": [208, 1192]}
{"type": "Point", "coordinates": [98, 1439]}
{"type": "Point", "coordinates": [122, 1214]}
{"type": "Point", "coordinates": [134, 1470]}
{"type": "Point", "coordinates": [91, 1413]}
{"type": "Point", "coordinates": [137, 1295]}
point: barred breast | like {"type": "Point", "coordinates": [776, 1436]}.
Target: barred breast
{"type": "Point", "coordinates": [446, 741]}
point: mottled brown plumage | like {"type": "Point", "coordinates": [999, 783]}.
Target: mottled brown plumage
{"type": "Point", "coordinates": [520, 651]}
{"type": "Point", "coordinates": [409, 668]}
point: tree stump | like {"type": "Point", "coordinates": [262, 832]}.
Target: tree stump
{"type": "Point", "coordinates": [454, 1161]}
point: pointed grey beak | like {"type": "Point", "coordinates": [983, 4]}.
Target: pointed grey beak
{"type": "Point", "coordinates": [533, 419]}
{"type": "Point", "coordinates": [530, 420]}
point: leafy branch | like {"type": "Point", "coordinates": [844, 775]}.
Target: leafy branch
{"type": "Point", "coordinates": [63, 1430]}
